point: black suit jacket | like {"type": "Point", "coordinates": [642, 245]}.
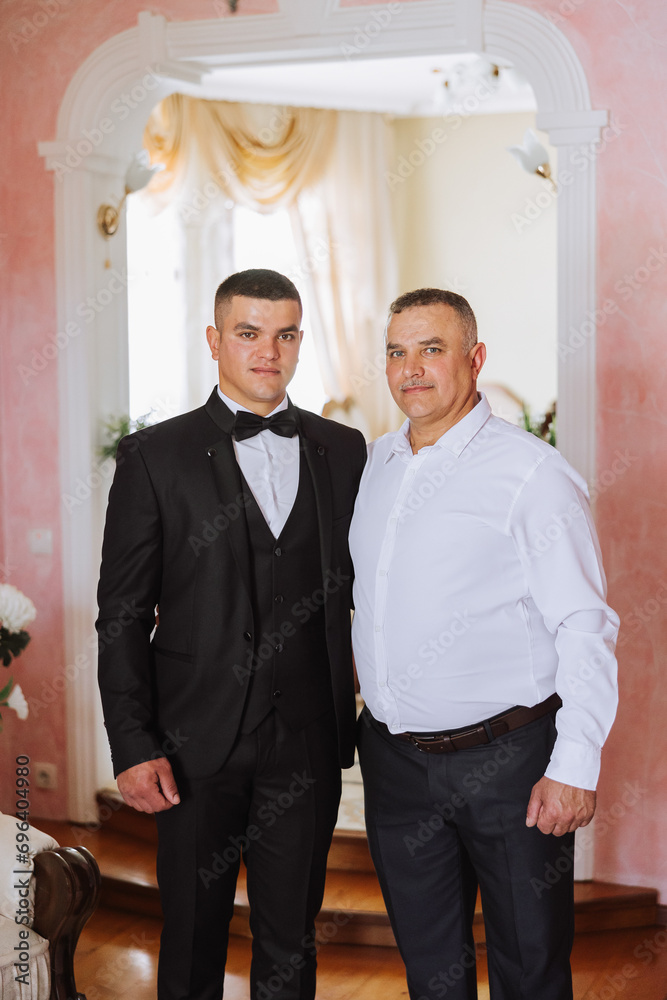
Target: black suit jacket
{"type": "Point", "coordinates": [176, 536]}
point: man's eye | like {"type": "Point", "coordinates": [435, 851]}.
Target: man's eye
{"type": "Point", "coordinates": [434, 350]}
{"type": "Point", "coordinates": [396, 354]}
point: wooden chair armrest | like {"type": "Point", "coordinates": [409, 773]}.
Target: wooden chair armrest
{"type": "Point", "coordinates": [67, 888]}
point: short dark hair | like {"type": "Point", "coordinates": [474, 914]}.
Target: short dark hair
{"type": "Point", "coordinates": [433, 296]}
{"type": "Point", "coordinates": [256, 283]}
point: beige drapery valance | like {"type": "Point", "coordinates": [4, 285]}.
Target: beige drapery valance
{"type": "Point", "coordinates": [263, 166]}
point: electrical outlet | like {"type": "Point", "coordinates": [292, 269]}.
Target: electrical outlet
{"type": "Point", "coordinates": [45, 776]}
{"type": "Point", "coordinates": [40, 541]}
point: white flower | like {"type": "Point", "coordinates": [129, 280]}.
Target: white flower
{"type": "Point", "coordinates": [16, 610]}
{"type": "Point", "coordinates": [17, 701]}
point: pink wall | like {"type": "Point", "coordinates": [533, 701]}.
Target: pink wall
{"type": "Point", "coordinates": [41, 46]}
{"type": "Point", "coordinates": [621, 48]}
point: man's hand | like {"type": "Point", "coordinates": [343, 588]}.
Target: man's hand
{"type": "Point", "coordinates": [149, 787]}
{"type": "Point", "coordinates": [557, 808]}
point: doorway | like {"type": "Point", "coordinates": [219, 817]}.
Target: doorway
{"type": "Point", "coordinates": [155, 59]}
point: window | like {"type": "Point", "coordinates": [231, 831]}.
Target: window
{"type": "Point", "coordinates": [266, 241]}
{"type": "Point", "coordinates": [159, 356]}
{"type": "Point", "coordinates": [156, 312]}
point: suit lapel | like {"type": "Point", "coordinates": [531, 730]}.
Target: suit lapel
{"type": "Point", "coordinates": [227, 478]}
{"type": "Point", "coordinates": [315, 455]}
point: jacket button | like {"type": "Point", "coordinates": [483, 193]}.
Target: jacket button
{"type": "Point", "coordinates": [211, 453]}
{"type": "Point", "coordinates": [320, 449]}
{"type": "Point", "coordinates": [278, 552]}
{"type": "Point", "coordinates": [247, 636]}
{"type": "Point", "coordinates": [277, 694]}
{"type": "Point", "coordinates": [279, 598]}
{"type": "Point", "coordinates": [279, 647]}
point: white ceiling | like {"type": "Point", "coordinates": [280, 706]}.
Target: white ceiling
{"type": "Point", "coordinates": [410, 85]}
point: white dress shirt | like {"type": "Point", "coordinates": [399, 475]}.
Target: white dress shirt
{"type": "Point", "coordinates": [270, 464]}
{"type": "Point", "coordinates": [479, 586]}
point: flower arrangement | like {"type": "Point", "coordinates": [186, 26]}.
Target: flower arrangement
{"type": "Point", "coordinates": [16, 611]}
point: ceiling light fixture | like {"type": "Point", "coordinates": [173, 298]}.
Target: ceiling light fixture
{"type": "Point", "coordinates": [472, 81]}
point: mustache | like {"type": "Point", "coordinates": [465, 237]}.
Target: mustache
{"type": "Point", "coordinates": [412, 383]}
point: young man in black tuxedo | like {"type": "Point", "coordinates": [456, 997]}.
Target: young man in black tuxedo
{"type": "Point", "coordinates": [232, 720]}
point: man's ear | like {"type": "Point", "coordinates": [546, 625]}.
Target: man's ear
{"type": "Point", "coordinates": [213, 337]}
{"type": "Point", "coordinates": [477, 358]}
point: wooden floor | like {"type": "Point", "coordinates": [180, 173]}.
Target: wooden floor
{"type": "Point", "coordinates": [125, 847]}
{"type": "Point", "coordinates": [117, 955]}
{"type": "Point", "coordinates": [618, 954]}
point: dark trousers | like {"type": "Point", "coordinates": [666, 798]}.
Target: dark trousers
{"type": "Point", "coordinates": [275, 803]}
{"type": "Point", "coordinates": [439, 824]}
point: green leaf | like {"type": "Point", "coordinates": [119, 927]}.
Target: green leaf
{"type": "Point", "coordinates": [12, 644]}
{"type": "Point", "coordinates": [541, 427]}
{"type": "Point", "coordinates": [6, 689]}
{"type": "Point", "coordinates": [116, 428]}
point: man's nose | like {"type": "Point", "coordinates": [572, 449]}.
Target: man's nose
{"type": "Point", "coordinates": [413, 367]}
{"type": "Point", "coordinates": [269, 350]}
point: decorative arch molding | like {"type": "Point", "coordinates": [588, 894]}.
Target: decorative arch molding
{"type": "Point", "coordinates": [119, 83]}
{"type": "Point", "coordinates": [542, 53]}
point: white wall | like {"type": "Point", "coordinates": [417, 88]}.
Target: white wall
{"type": "Point", "coordinates": [459, 224]}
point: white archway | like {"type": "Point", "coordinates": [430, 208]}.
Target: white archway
{"type": "Point", "coordinates": [100, 125]}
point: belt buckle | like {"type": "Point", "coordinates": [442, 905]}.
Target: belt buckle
{"type": "Point", "coordinates": [433, 744]}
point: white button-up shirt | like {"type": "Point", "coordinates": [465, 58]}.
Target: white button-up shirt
{"type": "Point", "coordinates": [270, 464]}
{"type": "Point", "coordinates": [479, 586]}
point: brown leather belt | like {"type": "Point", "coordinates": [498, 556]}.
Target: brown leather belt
{"type": "Point", "coordinates": [483, 732]}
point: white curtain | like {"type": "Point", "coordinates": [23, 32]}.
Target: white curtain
{"type": "Point", "coordinates": [208, 258]}
{"type": "Point", "coordinates": [328, 169]}
{"type": "Point", "coordinates": [344, 224]}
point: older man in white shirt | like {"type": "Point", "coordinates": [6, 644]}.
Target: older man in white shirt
{"type": "Point", "coordinates": [480, 608]}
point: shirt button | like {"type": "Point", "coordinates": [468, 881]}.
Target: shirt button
{"type": "Point", "coordinates": [247, 636]}
{"type": "Point", "coordinates": [278, 552]}
{"type": "Point", "coordinates": [279, 598]}
{"type": "Point", "coordinates": [277, 694]}
{"type": "Point", "coordinates": [279, 647]}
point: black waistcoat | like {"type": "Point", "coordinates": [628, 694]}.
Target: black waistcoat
{"type": "Point", "coordinates": [290, 667]}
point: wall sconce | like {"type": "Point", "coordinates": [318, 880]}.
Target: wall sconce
{"type": "Point", "coordinates": [137, 176]}
{"type": "Point", "coordinates": [533, 157]}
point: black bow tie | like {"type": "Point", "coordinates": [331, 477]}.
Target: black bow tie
{"type": "Point", "coordinates": [246, 425]}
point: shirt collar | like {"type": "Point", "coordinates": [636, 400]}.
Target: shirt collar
{"type": "Point", "coordinates": [235, 407]}
{"type": "Point", "coordinates": [455, 440]}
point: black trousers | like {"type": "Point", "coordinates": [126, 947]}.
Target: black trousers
{"type": "Point", "coordinates": [274, 803]}
{"type": "Point", "coordinates": [439, 824]}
